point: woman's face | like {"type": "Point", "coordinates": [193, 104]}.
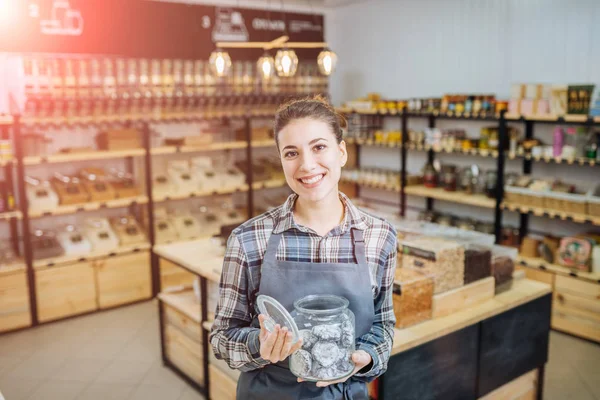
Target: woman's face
{"type": "Point", "coordinates": [311, 158]}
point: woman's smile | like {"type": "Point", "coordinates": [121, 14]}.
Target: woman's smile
{"type": "Point", "coordinates": [312, 181]}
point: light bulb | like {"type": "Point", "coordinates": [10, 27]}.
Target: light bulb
{"type": "Point", "coordinates": [286, 62]}
{"type": "Point", "coordinates": [220, 63]}
{"type": "Point", "coordinates": [266, 66]}
{"type": "Point", "coordinates": [327, 61]}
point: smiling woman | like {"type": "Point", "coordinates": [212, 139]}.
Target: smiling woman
{"type": "Point", "coordinates": [328, 247]}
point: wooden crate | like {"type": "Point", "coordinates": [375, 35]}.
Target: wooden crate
{"type": "Point", "coordinates": [64, 291]}
{"type": "Point", "coordinates": [222, 386]}
{"type": "Point", "coordinates": [182, 322]}
{"type": "Point", "coordinates": [14, 301]}
{"type": "Point", "coordinates": [463, 297]}
{"type": "Point", "coordinates": [123, 279]}
{"type": "Point", "coordinates": [522, 388]}
{"type": "Point", "coordinates": [172, 275]}
{"type": "Point", "coordinates": [576, 307]}
{"type": "Point", "coordinates": [184, 353]}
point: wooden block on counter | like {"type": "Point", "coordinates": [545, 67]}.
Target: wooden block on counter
{"type": "Point", "coordinates": [14, 301]}
{"type": "Point", "coordinates": [222, 386]}
{"type": "Point", "coordinates": [577, 286]}
{"type": "Point", "coordinates": [463, 297]}
{"type": "Point", "coordinates": [184, 353]}
{"type": "Point", "coordinates": [65, 291]}
{"type": "Point", "coordinates": [540, 276]}
{"type": "Point", "coordinates": [522, 388]}
{"type": "Point", "coordinates": [172, 275]}
{"type": "Point", "coordinates": [413, 294]}
{"type": "Point", "coordinates": [123, 279]}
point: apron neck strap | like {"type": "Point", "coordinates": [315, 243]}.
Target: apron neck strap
{"type": "Point", "coordinates": [272, 245]}
{"type": "Point", "coordinates": [358, 243]}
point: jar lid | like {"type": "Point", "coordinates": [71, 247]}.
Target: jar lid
{"type": "Point", "coordinates": [276, 314]}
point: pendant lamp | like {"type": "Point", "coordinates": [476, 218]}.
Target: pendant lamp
{"type": "Point", "coordinates": [266, 66]}
{"type": "Point", "coordinates": [327, 61]}
{"type": "Point", "coordinates": [220, 63]}
{"type": "Point", "coordinates": [286, 62]}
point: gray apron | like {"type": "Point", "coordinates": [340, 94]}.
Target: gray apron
{"type": "Point", "coordinates": [288, 281]}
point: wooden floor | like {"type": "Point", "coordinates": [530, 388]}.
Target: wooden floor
{"type": "Point", "coordinates": [116, 355]}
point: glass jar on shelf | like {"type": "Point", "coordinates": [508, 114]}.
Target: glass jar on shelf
{"type": "Point", "coordinates": [449, 178]}
{"type": "Point", "coordinates": [430, 178]}
{"type": "Point", "coordinates": [491, 179]}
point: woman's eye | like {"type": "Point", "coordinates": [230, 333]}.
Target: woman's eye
{"type": "Point", "coordinates": [320, 147]}
{"type": "Point", "coordinates": [290, 154]}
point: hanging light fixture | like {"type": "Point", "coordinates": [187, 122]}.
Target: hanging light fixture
{"type": "Point", "coordinates": [220, 63]}
{"type": "Point", "coordinates": [327, 61]}
{"type": "Point", "coordinates": [286, 62]}
{"type": "Point", "coordinates": [266, 66]}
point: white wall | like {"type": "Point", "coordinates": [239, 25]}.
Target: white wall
{"type": "Point", "coordinates": [412, 48]}
{"type": "Point", "coordinates": [421, 48]}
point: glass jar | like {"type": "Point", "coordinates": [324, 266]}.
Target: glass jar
{"type": "Point", "coordinates": [449, 177]}
{"type": "Point", "coordinates": [429, 176]}
{"type": "Point", "coordinates": [327, 328]}
{"type": "Point", "coordinates": [491, 178]}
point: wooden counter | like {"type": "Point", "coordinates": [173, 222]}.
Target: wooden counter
{"type": "Point", "coordinates": [466, 355]}
{"type": "Point", "coordinates": [523, 291]}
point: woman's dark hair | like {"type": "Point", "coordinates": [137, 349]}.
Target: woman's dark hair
{"type": "Point", "coordinates": [316, 108]}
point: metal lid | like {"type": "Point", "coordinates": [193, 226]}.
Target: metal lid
{"type": "Point", "coordinates": [276, 314]}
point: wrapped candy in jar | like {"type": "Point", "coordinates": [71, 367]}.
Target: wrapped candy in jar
{"type": "Point", "coordinates": [326, 326]}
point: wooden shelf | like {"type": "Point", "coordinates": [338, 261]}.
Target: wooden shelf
{"type": "Point", "coordinates": [569, 118]}
{"type": "Point", "coordinates": [541, 264]}
{"type": "Point", "coordinates": [83, 156]}
{"type": "Point", "coordinates": [184, 302]}
{"type": "Point", "coordinates": [269, 184]}
{"type": "Point", "coordinates": [90, 206]}
{"type": "Point", "coordinates": [70, 259]}
{"type": "Point", "coordinates": [454, 197]}
{"type": "Point", "coordinates": [550, 213]}
{"type": "Point", "coordinates": [5, 216]}
{"type": "Point", "coordinates": [263, 143]}
{"type": "Point", "coordinates": [185, 255]}
{"type": "Point", "coordinates": [192, 195]}
{"type": "Point", "coordinates": [8, 269]}
{"type": "Point", "coordinates": [558, 160]}
{"type": "Point", "coordinates": [207, 325]}
{"type": "Point", "coordinates": [391, 188]}
{"type": "Point", "coordinates": [363, 142]}
{"type": "Point", "coordinates": [196, 149]}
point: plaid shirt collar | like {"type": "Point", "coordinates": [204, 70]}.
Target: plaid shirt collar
{"type": "Point", "coordinates": [353, 218]}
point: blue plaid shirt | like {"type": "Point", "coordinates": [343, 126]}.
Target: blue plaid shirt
{"type": "Point", "coordinates": [232, 337]}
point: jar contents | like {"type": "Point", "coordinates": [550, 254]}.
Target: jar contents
{"type": "Point", "coordinates": [326, 326]}
{"type": "Point", "coordinates": [491, 178]}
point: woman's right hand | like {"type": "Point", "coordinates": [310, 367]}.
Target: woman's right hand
{"type": "Point", "coordinates": [277, 345]}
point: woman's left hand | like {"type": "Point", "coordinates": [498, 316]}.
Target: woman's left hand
{"type": "Point", "coordinates": [360, 358]}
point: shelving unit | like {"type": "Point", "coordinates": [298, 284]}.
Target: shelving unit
{"type": "Point", "coordinates": [477, 200]}
{"type": "Point", "coordinates": [579, 314]}
{"type": "Point", "coordinates": [89, 206]}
